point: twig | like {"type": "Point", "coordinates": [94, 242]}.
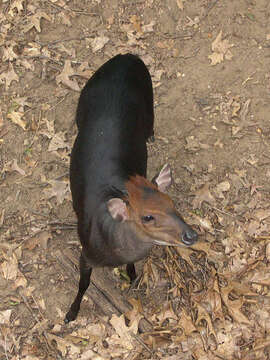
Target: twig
{"type": "Point", "coordinates": [50, 43]}
{"type": "Point", "coordinates": [136, 337]}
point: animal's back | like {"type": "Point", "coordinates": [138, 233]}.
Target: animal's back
{"type": "Point", "coordinates": [114, 118]}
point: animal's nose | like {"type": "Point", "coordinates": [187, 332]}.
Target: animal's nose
{"type": "Point", "coordinates": [189, 237]}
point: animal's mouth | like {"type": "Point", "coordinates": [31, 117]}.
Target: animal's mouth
{"type": "Point", "coordinates": [165, 243]}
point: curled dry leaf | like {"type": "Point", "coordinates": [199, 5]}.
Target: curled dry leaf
{"type": "Point", "coordinates": [203, 194]}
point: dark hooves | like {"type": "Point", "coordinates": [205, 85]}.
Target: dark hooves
{"type": "Point", "coordinates": [70, 316]}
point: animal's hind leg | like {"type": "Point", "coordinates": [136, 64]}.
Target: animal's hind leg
{"type": "Point", "coordinates": [85, 274]}
{"type": "Point", "coordinates": [131, 272]}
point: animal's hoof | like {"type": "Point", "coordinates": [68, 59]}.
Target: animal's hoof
{"type": "Point", "coordinates": [151, 139]}
{"type": "Point", "coordinates": [70, 316]}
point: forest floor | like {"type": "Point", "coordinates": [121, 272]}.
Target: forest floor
{"type": "Point", "coordinates": [210, 66]}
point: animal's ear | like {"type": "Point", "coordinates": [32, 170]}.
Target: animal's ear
{"type": "Point", "coordinates": [118, 209]}
{"type": "Point", "coordinates": [164, 178]}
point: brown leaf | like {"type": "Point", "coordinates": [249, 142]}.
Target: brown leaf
{"type": "Point", "coordinates": [9, 76]}
{"type": "Point", "coordinates": [149, 27]}
{"type": "Point", "coordinates": [63, 345]}
{"type": "Point", "coordinates": [8, 52]}
{"type": "Point", "coordinates": [233, 307]}
{"type": "Point", "coordinates": [186, 323]}
{"type": "Point", "coordinates": [16, 118]}
{"type": "Point", "coordinates": [180, 4]}
{"type": "Point", "coordinates": [204, 223]}
{"type": "Point", "coordinates": [34, 21]}
{"type": "Point", "coordinates": [123, 331]}
{"type": "Point", "coordinates": [220, 49]}
{"type": "Point", "coordinates": [203, 315]}
{"type": "Point", "coordinates": [203, 194]}
{"type": "Point", "coordinates": [64, 77]}
{"type": "Point", "coordinates": [9, 268]}
{"type": "Point", "coordinates": [13, 166]}
{"type": "Point", "coordinates": [16, 4]}
{"type": "Point", "coordinates": [136, 313]}
{"type": "Point", "coordinates": [261, 214]}
{"type": "Point", "coordinates": [98, 43]}
{"type": "Point", "coordinates": [58, 141]}
{"type": "Point", "coordinates": [5, 316]}
{"type": "Point", "coordinates": [222, 187]}
{"type": "Point", "coordinates": [59, 189]}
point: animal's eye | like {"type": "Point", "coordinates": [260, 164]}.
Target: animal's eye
{"type": "Point", "coordinates": [147, 218]}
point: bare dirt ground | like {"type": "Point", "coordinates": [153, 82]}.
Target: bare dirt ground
{"type": "Point", "coordinates": [210, 64]}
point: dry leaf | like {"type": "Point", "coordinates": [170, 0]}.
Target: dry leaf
{"type": "Point", "coordinates": [203, 194]}
{"type": "Point", "coordinates": [18, 4]}
{"type": "Point", "coordinates": [9, 268]}
{"type": "Point", "coordinates": [203, 315]}
{"type": "Point", "coordinates": [64, 77]}
{"type": "Point", "coordinates": [134, 315]}
{"type": "Point", "coordinates": [149, 27]}
{"type": "Point", "coordinates": [98, 43]}
{"type": "Point", "coordinates": [84, 70]}
{"type": "Point", "coordinates": [204, 223]}
{"type": "Point", "coordinates": [123, 331]}
{"type": "Point", "coordinates": [63, 345]}
{"type": "Point", "coordinates": [58, 141]}
{"type": "Point", "coordinates": [34, 21]}
{"type": "Point", "coordinates": [5, 316]}
{"type": "Point", "coordinates": [16, 118]}
{"type": "Point", "coordinates": [186, 323]}
{"type": "Point", "coordinates": [222, 187]}
{"type": "Point", "coordinates": [8, 76]}
{"type": "Point", "coordinates": [192, 143]}
{"type": "Point", "coordinates": [8, 53]}
{"type": "Point", "coordinates": [13, 166]}
{"type": "Point", "coordinates": [220, 50]}
{"type": "Point", "coordinates": [180, 4]}
{"type": "Point", "coordinates": [267, 251]}
{"type": "Point", "coordinates": [261, 214]}
{"type": "Point", "coordinates": [233, 306]}
{"type": "Point", "coordinates": [59, 189]}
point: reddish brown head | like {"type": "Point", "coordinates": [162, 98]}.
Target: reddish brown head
{"type": "Point", "coordinates": [153, 211]}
